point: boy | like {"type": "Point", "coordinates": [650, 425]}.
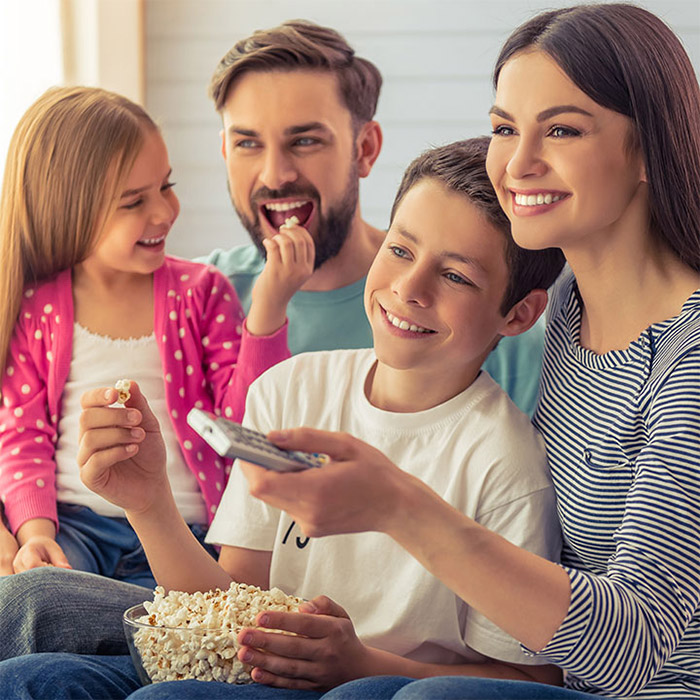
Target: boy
{"type": "Point", "coordinates": [447, 283]}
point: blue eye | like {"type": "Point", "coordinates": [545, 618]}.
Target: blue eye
{"type": "Point", "coordinates": [306, 141]}
{"type": "Point", "coordinates": [247, 143]}
{"type": "Point", "coordinates": [457, 279]}
{"type": "Point", "coordinates": [398, 251]}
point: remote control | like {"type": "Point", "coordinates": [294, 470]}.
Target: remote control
{"type": "Point", "coordinates": [231, 439]}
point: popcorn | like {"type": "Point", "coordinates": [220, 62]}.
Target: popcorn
{"type": "Point", "coordinates": [291, 221]}
{"type": "Point", "coordinates": [193, 635]}
{"type": "Point", "coordinates": [123, 386]}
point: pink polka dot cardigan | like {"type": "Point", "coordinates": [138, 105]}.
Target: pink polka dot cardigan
{"type": "Point", "coordinates": [208, 357]}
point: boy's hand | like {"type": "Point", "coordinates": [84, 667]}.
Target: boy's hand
{"type": "Point", "coordinates": [39, 551]}
{"type": "Point", "coordinates": [290, 263]}
{"type": "Point", "coordinates": [121, 453]}
{"type": "Point", "coordinates": [8, 551]}
{"type": "Point", "coordinates": [324, 653]}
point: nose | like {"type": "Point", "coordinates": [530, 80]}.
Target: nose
{"type": "Point", "coordinates": [413, 286]}
{"type": "Point", "coordinates": [278, 169]}
{"type": "Point", "coordinates": [165, 208]}
{"type": "Point", "coordinates": [526, 159]}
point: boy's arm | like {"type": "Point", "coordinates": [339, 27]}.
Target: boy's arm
{"type": "Point", "coordinates": [325, 652]}
{"type": "Point", "coordinates": [122, 458]}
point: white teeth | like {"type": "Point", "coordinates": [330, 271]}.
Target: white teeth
{"type": "Point", "coordinates": [285, 206]}
{"type": "Point", "coordinates": [532, 200]}
{"type": "Point", "coordinates": [152, 241]}
{"type": "Point", "coordinates": [405, 325]}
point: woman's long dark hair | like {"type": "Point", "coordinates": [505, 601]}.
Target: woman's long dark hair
{"type": "Point", "coordinates": [627, 60]}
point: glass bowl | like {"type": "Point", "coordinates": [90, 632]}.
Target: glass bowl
{"type": "Point", "coordinates": [179, 653]}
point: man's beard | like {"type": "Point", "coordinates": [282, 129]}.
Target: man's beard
{"type": "Point", "coordinates": [332, 228]}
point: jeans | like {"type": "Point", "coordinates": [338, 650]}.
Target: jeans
{"type": "Point", "coordinates": [74, 677]}
{"type": "Point", "coordinates": [107, 546]}
{"type": "Point", "coordinates": [52, 609]}
{"type": "Point", "coordinates": [449, 688]}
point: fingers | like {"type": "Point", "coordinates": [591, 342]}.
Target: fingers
{"type": "Point", "coordinates": [338, 446]}
{"type": "Point", "coordinates": [323, 605]}
{"type": "Point", "coordinates": [293, 245]}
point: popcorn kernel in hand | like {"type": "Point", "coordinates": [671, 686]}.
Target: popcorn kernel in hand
{"type": "Point", "coordinates": [123, 386]}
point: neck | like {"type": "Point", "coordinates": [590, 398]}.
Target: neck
{"type": "Point", "coordinates": [626, 286]}
{"type": "Point", "coordinates": [352, 262]}
{"type": "Point", "coordinates": [411, 391]}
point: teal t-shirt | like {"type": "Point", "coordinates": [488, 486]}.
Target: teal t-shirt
{"type": "Point", "coordinates": [336, 320]}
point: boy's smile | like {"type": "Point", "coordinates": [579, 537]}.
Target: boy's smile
{"type": "Point", "coordinates": [433, 298]}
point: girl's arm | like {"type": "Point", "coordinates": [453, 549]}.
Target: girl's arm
{"type": "Point", "coordinates": [290, 263]}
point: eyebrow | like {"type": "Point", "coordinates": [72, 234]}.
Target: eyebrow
{"type": "Point", "coordinates": [139, 190]}
{"type": "Point", "coordinates": [451, 255]}
{"type": "Point", "coordinates": [289, 131]}
{"type": "Point", "coordinates": [545, 114]}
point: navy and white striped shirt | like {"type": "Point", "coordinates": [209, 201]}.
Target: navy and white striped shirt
{"type": "Point", "coordinates": [622, 431]}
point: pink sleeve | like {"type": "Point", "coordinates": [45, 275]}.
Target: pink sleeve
{"type": "Point", "coordinates": [27, 435]}
{"type": "Point", "coordinates": [245, 359]}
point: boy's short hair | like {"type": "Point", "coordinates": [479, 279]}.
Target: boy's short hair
{"type": "Point", "coordinates": [302, 45]}
{"type": "Point", "coordinates": [461, 168]}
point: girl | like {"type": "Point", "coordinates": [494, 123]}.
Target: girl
{"type": "Point", "coordinates": [595, 150]}
{"type": "Point", "coordinates": [88, 295]}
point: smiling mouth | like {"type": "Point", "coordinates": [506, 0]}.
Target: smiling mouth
{"type": "Point", "coordinates": [537, 199]}
{"type": "Point", "coordinates": [151, 242]}
{"type": "Point", "coordinates": [277, 213]}
{"type": "Point", "coordinates": [404, 325]}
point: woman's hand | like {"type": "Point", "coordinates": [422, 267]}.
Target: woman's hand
{"type": "Point", "coordinates": [121, 453]}
{"type": "Point", "coordinates": [290, 263]}
{"type": "Point", "coordinates": [323, 652]}
{"type": "Point", "coordinates": [358, 490]}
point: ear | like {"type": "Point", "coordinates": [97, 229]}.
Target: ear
{"type": "Point", "coordinates": [369, 144]}
{"type": "Point", "coordinates": [525, 313]}
{"type": "Point", "coordinates": [222, 134]}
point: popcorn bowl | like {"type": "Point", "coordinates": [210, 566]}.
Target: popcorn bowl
{"type": "Point", "coordinates": [180, 636]}
{"type": "Point", "coordinates": [162, 653]}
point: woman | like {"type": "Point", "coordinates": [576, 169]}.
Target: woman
{"type": "Point", "coordinates": [596, 150]}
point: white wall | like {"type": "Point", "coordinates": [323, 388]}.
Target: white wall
{"type": "Point", "coordinates": [436, 57]}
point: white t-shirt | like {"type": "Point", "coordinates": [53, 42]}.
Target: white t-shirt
{"type": "Point", "coordinates": [477, 450]}
{"type": "Point", "coordinates": [100, 361]}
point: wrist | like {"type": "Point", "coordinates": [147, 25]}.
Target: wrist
{"type": "Point", "coordinates": [35, 527]}
{"type": "Point", "coordinates": [263, 323]}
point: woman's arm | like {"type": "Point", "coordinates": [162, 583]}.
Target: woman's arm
{"type": "Point", "coordinates": [524, 594]}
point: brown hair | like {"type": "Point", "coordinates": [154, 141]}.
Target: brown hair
{"type": "Point", "coordinates": [66, 165]}
{"type": "Point", "coordinates": [461, 167]}
{"type": "Point", "coordinates": [302, 45]}
{"type": "Point", "coordinates": [628, 60]}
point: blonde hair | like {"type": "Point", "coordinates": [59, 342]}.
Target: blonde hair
{"type": "Point", "coordinates": [67, 163]}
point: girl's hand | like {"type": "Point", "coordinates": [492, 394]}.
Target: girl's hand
{"type": "Point", "coordinates": [290, 263]}
{"type": "Point", "coordinates": [121, 453]}
{"type": "Point", "coordinates": [39, 551]}
{"type": "Point", "coordinates": [358, 490]}
{"type": "Point", "coordinates": [324, 653]}
{"type": "Point", "coordinates": [8, 551]}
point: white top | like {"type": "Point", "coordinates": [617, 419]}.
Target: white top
{"type": "Point", "coordinates": [477, 450]}
{"type": "Point", "coordinates": [100, 361]}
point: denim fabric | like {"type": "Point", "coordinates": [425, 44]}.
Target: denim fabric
{"type": "Point", "coordinates": [67, 677]}
{"type": "Point", "coordinates": [468, 688]}
{"type": "Point", "coordinates": [51, 609]}
{"type": "Point", "coordinates": [107, 546]}
{"type": "Point", "coordinates": [201, 690]}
